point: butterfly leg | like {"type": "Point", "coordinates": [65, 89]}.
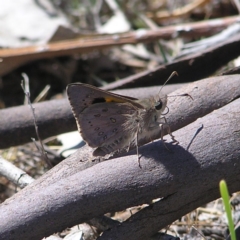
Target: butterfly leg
{"type": "Point", "coordinates": [136, 142]}
{"type": "Point", "coordinates": [161, 127]}
{"type": "Point", "coordinates": [166, 125]}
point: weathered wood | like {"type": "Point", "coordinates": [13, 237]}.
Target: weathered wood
{"type": "Point", "coordinates": [214, 155]}
{"type": "Point", "coordinates": [17, 125]}
{"type": "Point", "coordinates": [75, 191]}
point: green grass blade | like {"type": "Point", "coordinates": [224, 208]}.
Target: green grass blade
{"type": "Point", "coordinates": [226, 202]}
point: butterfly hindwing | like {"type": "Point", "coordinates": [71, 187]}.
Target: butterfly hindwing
{"type": "Point", "coordinates": [105, 124]}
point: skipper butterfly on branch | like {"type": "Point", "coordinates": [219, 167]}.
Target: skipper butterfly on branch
{"type": "Point", "coordinates": [110, 122]}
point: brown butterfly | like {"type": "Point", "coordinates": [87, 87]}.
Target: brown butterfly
{"type": "Point", "coordinates": [110, 122]}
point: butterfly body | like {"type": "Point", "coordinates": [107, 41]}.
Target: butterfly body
{"type": "Point", "coordinates": [110, 122]}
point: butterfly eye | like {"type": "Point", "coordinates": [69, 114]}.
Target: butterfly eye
{"type": "Point", "coordinates": [158, 105]}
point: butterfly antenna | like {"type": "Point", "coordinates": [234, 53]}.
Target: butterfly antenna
{"type": "Point", "coordinates": [170, 77]}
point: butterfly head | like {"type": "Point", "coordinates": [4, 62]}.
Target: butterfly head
{"type": "Point", "coordinates": [160, 103]}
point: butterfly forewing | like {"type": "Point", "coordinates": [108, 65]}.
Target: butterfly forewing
{"type": "Point", "coordinates": [82, 96]}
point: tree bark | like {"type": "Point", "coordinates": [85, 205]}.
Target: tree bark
{"type": "Point", "coordinates": [77, 189]}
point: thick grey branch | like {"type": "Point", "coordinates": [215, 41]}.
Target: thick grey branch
{"type": "Point", "coordinates": [69, 193]}
{"type": "Point", "coordinates": [17, 125]}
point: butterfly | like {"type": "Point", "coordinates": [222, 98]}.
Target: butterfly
{"type": "Point", "coordinates": [111, 122]}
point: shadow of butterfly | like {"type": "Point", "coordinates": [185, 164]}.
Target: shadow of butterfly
{"type": "Point", "coordinates": [110, 122]}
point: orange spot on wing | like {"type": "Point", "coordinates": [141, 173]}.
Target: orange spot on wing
{"type": "Point", "coordinates": [111, 99]}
